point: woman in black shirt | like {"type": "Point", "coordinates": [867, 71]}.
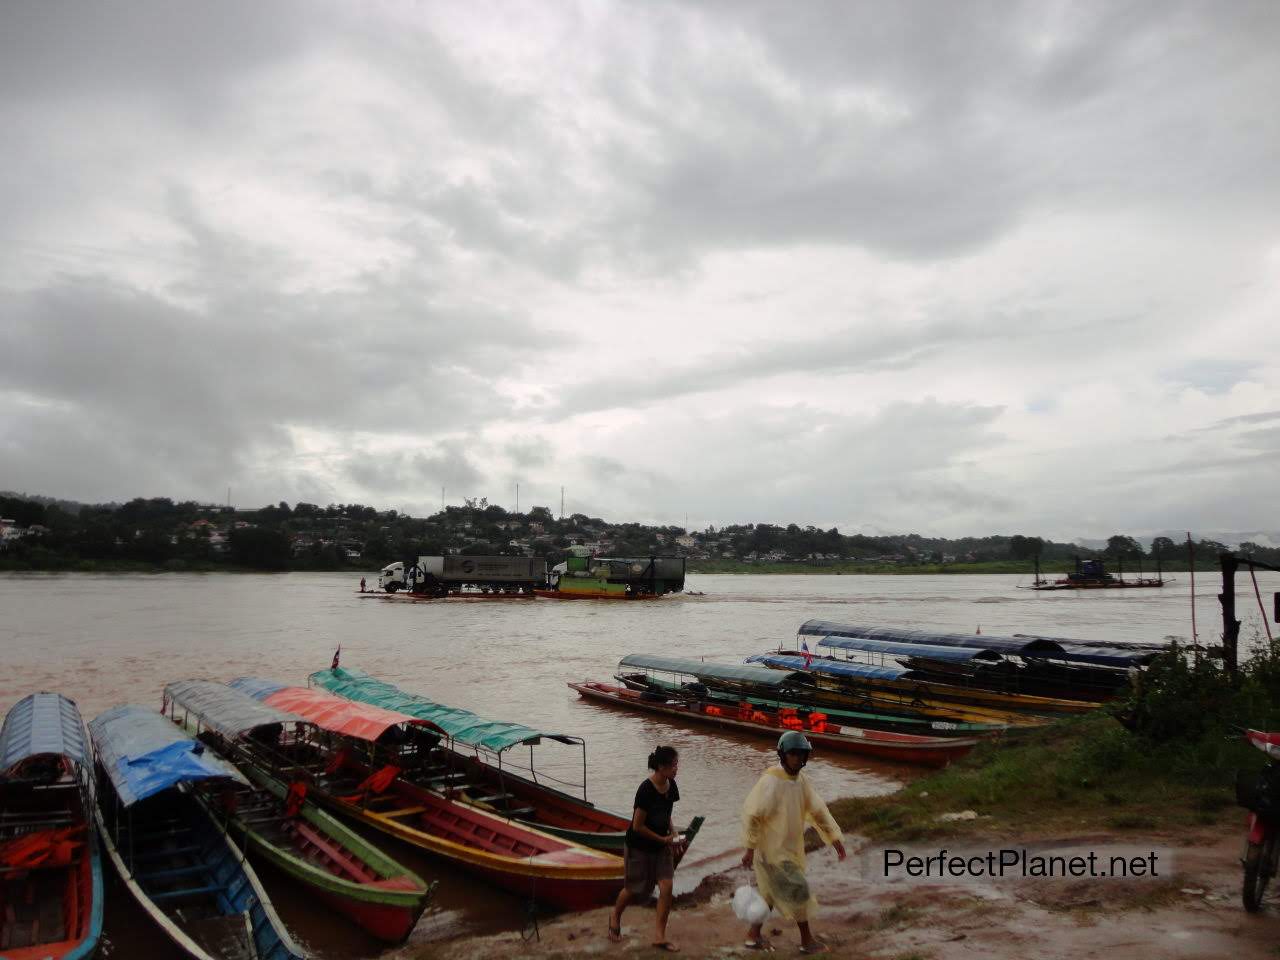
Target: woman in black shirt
{"type": "Point", "coordinates": [651, 846]}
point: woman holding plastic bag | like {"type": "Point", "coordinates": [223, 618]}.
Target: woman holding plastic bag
{"type": "Point", "coordinates": [781, 804]}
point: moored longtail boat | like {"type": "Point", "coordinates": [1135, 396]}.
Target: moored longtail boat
{"type": "Point", "coordinates": [50, 863]}
{"type": "Point", "coordinates": [815, 689]}
{"type": "Point", "coordinates": [363, 778]}
{"type": "Point", "coordinates": [879, 744]}
{"type": "Point", "coordinates": [276, 821]}
{"type": "Point", "coordinates": [486, 782]}
{"type": "Point", "coordinates": [897, 722]}
{"type": "Point", "coordinates": [174, 858]}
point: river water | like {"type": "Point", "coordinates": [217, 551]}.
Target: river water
{"type": "Point", "coordinates": [110, 639]}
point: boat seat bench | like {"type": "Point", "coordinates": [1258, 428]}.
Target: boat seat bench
{"type": "Point", "coordinates": [189, 892]}
{"type": "Point", "coordinates": [168, 873]}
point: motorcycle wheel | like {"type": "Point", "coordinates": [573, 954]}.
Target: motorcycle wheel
{"type": "Point", "coordinates": [1256, 875]}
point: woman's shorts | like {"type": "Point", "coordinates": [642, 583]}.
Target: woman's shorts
{"type": "Point", "coordinates": [644, 868]}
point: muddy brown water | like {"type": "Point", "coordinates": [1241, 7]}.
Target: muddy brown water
{"type": "Point", "coordinates": [109, 639]}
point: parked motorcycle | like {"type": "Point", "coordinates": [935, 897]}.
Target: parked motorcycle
{"type": "Point", "coordinates": [1258, 791]}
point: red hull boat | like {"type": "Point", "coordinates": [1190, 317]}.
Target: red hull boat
{"type": "Point", "coordinates": [880, 744]}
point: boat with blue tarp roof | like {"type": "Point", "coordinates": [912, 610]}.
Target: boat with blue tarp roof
{"type": "Point", "coordinates": [173, 856]}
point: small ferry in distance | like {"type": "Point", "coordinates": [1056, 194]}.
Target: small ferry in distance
{"type": "Point", "coordinates": [1092, 574]}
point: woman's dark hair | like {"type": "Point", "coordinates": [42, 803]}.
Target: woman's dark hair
{"type": "Point", "coordinates": [662, 757]}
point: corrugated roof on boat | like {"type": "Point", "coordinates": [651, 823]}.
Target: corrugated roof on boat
{"type": "Point", "coordinates": [327, 710]}
{"type": "Point", "coordinates": [892, 648]}
{"type": "Point", "coordinates": [1035, 647]}
{"type": "Point", "coordinates": [42, 724]}
{"type": "Point", "coordinates": [830, 668]}
{"type": "Point", "coordinates": [1099, 656]}
{"type": "Point", "coordinates": [462, 726]}
{"type": "Point", "coordinates": [1069, 642]}
{"type": "Point", "coordinates": [712, 671]}
{"type": "Point", "coordinates": [144, 754]}
{"type": "Point", "coordinates": [1008, 645]}
{"type": "Point", "coordinates": [230, 712]}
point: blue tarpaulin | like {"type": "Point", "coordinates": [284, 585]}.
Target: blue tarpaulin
{"type": "Point", "coordinates": [143, 754]}
{"type": "Point", "coordinates": [830, 668]}
{"type": "Point", "coordinates": [42, 724]}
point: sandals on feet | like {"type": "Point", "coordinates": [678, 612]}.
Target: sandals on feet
{"type": "Point", "coordinates": [761, 944]}
{"type": "Point", "coordinates": [816, 947]}
{"type": "Point", "coordinates": [666, 946]}
{"type": "Point", "coordinates": [615, 934]}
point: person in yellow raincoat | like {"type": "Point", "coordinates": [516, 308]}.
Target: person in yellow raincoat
{"type": "Point", "coordinates": [781, 804]}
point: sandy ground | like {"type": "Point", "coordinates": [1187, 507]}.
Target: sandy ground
{"type": "Point", "coordinates": [1193, 913]}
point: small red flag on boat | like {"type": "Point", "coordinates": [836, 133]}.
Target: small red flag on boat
{"type": "Point", "coordinates": [808, 657]}
{"type": "Point", "coordinates": [336, 654]}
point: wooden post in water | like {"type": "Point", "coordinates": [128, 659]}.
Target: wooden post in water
{"type": "Point", "coordinates": [1230, 625]}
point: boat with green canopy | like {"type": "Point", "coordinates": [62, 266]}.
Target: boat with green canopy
{"type": "Point", "coordinates": [477, 755]}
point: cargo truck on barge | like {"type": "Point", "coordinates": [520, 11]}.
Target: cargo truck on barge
{"type": "Point", "coordinates": [442, 575]}
{"type": "Point", "coordinates": [578, 578]}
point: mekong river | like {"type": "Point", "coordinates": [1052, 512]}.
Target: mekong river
{"type": "Point", "coordinates": [109, 639]}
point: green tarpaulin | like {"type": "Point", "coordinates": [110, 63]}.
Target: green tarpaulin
{"type": "Point", "coordinates": [463, 726]}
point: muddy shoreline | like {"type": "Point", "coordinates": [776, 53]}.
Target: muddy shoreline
{"type": "Point", "coordinates": [1192, 911]}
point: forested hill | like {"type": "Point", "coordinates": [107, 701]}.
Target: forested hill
{"type": "Point", "coordinates": [42, 533]}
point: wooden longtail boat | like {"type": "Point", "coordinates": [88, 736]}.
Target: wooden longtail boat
{"type": "Point", "coordinates": [897, 722]}
{"type": "Point", "coordinates": [925, 690]}
{"type": "Point", "coordinates": [814, 689]}
{"type": "Point", "coordinates": [313, 848]}
{"type": "Point", "coordinates": [482, 779]}
{"type": "Point", "coordinates": [880, 744]}
{"type": "Point", "coordinates": [50, 860]}
{"type": "Point", "coordinates": [371, 789]}
{"type": "Point", "coordinates": [174, 858]}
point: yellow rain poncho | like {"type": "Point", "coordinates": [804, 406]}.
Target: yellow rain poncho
{"type": "Point", "coordinates": [774, 817]}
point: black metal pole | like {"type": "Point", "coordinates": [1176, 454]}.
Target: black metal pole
{"type": "Point", "coordinates": [1230, 625]}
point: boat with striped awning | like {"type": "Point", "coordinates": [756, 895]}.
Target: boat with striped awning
{"type": "Point", "coordinates": [376, 766]}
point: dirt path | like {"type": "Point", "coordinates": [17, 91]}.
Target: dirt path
{"type": "Point", "coordinates": [1193, 913]}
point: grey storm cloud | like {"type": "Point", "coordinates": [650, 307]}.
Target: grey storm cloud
{"type": "Point", "coordinates": [813, 262]}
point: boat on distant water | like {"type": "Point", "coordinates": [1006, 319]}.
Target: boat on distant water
{"type": "Point", "coordinates": [1092, 574]}
{"type": "Point", "coordinates": [879, 744]}
{"type": "Point", "coordinates": [175, 859]}
{"type": "Point", "coordinates": [480, 778]}
{"type": "Point", "coordinates": [373, 767]}
{"type": "Point", "coordinates": [283, 827]}
{"type": "Point", "coordinates": [50, 862]}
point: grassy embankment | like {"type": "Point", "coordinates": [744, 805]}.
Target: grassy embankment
{"type": "Point", "coordinates": [1174, 769]}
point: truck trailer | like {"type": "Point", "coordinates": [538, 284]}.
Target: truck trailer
{"type": "Point", "coordinates": [453, 573]}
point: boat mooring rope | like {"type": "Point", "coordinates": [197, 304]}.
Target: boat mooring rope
{"type": "Point", "coordinates": [531, 911]}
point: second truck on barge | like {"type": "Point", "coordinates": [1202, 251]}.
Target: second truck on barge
{"type": "Point", "coordinates": [578, 578]}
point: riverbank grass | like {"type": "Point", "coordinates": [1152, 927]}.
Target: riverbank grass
{"type": "Point", "coordinates": [1086, 774]}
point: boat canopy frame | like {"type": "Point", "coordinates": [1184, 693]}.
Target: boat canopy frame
{"type": "Point", "coordinates": [731, 672]}
{"type": "Point", "coordinates": [42, 724]}
{"type": "Point", "coordinates": [1037, 648]}
{"type": "Point", "coordinates": [491, 738]}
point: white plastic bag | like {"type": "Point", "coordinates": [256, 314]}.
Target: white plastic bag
{"type": "Point", "coordinates": [749, 906]}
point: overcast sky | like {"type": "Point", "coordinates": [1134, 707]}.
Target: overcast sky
{"type": "Point", "coordinates": [952, 268]}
